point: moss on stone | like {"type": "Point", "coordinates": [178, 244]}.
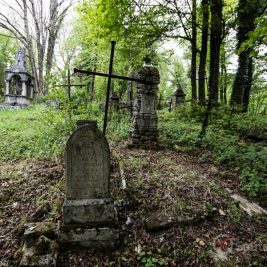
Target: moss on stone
{"type": "Point", "coordinates": [35, 230]}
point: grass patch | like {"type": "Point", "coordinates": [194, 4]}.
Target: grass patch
{"type": "Point", "coordinates": [35, 132]}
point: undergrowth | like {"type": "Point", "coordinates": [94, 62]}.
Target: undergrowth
{"type": "Point", "coordinates": [42, 132]}
{"type": "Point", "coordinates": [225, 137]}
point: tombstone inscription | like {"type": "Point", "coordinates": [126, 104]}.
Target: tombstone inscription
{"type": "Point", "coordinates": [88, 205]}
{"type": "Point", "coordinates": [87, 158]}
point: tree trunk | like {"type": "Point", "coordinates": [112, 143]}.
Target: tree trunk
{"type": "Point", "coordinates": [53, 13]}
{"type": "Point", "coordinates": [248, 85]}
{"type": "Point", "coordinates": [194, 51]}
{"type": "Point", "coordinates": [203, 53]}
{"type": "Point", "coordinates": [29, 45]}
{"type": "Point", "coordinates": [39, 25]}
{"type": "Point", "coordinates": [223, 77]}
{"type": "Point", "coordinates": [248, 10]}
{"type": "Point", "coordinates": [240, 79]}
{"type": "Point", "coordinates": [36, 32]}
{"type": "Point", "coordinates": [215, 44]}
{"type": "Point", "coordinates": [55, 22]}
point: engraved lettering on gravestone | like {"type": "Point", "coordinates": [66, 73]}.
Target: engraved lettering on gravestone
{"type": "Point", "coordinates": [89, 171]}
{"type": "Point", "coordinates": [147, 104]}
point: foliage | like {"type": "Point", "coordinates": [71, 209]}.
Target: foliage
{"type": "Point", "coordinates": [49, 128]}
{"type": "Point", "coordinates": [148, 260]}
{"type": "Point", "coordinates": [257, 38]}
{"type": "Point", "coordinates": [173, 129]}
{"type": "Point", "coordinates": [43, 139]}
{"type": "Point", "coordinates": [8, 47]}
{"type": "Point", "coordinates": [225, 138]}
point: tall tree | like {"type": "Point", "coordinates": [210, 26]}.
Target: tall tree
{"type": "Point", "coordinates": [203, 52]}
{"type": "Point", "coordinates": [215, 44]}
{"type": "Point", "coordinates": [223, 76]}
{"type": "Point", "coordinates": [194, 51]}
{"type": "Point", "coordinates": [140, 24]}
{"type": "Point", "coordinates": [28, 21]}
{"type": "Point", "coordinates": [248, 11]}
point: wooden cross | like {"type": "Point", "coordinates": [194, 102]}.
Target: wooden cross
{"type": "Point", "coordinates": [109, 76]}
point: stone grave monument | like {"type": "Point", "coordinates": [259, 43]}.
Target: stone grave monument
{"type": "Point", "coordinates": [144, 121]}
{"type": "Point", "coordinates": [178, 97]}
{"type": "Point", "coordinates": [19, 82]}
{"type": "Point", "coordinates": [89, 218]}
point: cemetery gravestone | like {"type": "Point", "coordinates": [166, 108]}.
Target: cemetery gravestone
{"type": "Point", "coordinates": [144, 122]}
{"type": "Point", "coordinates": [88, 210]}
{"type": "Point", "coordinates": [178, 97]}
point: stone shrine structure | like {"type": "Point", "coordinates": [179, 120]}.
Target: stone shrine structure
{"type": "Point", "coordinates": [19, 83]}
{"type": "Point", "coordinates": [88, 210]}
{"type": "Point", "coordinates": [179, 96]}
{"type": "Point", "coordinates": [144, 121]}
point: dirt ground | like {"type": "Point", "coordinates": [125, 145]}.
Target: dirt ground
{"type": "Point", "coordinates": [176, 210]}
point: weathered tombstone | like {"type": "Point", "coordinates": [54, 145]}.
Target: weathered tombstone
{"type": "Point", "coordinates": [53, 103]}
{"type": "Point", "coordinates": [178, 97]}
{"type": "Point", "coordinates": [88, 210]}
{"type": "Point", "coordinates": [169, 103]}
{"type": "Point", "coordinates": [144, 122]}
{"type": "Point", "coordinates": [19, 83]}
{"type": "Point", "coordinates": [115, 101]}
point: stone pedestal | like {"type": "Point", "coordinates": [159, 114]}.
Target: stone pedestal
{"type": "Point", "coordinates": [89, 217]}
{"type": "Point", "coordinates": [97, 238]}
{"type": "Point", "coordinates": [17, 100]}
{"type": "Point", "coordinates": [144, 121]}
{"type": "Point", "coordinates": [89, 211]}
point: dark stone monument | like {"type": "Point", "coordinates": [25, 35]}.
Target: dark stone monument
{"type": "Point", "coordinates": [19, 82]}
{"type": "Point", "coordinates": [88, 210]}
{"type": "Point", "coordinates": [144, 121]}
{"type": "Point", "coordinates": [114, 101]}
{"type": "Point", "coordinates": [178, 97]}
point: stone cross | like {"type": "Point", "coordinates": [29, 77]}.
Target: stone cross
{"type": "Point", "coordinates": [88, 204]}
{"type": "Point", "coordinates": [144, 121]}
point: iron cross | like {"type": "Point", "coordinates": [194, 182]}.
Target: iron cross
{"type": "Point", "coordinates": [109, 76]}
{"type": "Point", "coordinates": [69, 85]}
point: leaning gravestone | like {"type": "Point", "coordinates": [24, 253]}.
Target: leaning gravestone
{"type": "Point", "coordinates": [88, 210]}
{"type": "Point", "coordinates": [144, 121]}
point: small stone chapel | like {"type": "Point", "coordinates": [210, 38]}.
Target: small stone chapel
{"type": "Point", "coordinates": [19, 82]}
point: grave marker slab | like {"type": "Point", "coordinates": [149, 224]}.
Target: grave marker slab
{"type": "Point", "coordinates": [88, 202]}
{"type": "Point", "coordinates": [144, 121]}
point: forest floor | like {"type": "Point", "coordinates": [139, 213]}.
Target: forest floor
{"type": "Point", "coordinates": [177, 210]}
